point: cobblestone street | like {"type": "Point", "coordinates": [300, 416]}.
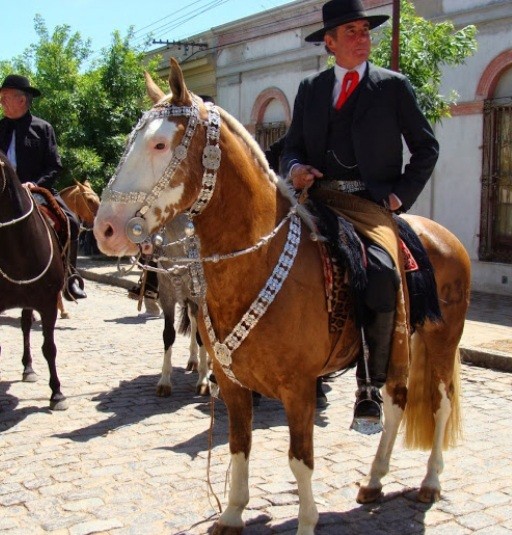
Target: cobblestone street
{"type": "Point", "coordinates": [123, 461]}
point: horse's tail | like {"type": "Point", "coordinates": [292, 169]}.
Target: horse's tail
{"type": "Point", "coordinates": [423, 392]}
{"type": "Point", "coordinates": [185, 325]}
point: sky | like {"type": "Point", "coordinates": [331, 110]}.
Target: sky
{"type": "Point", "coordinates": [170, 20]}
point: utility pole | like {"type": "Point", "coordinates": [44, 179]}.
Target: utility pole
{"type": "Point", "coordinates": [395, 42]}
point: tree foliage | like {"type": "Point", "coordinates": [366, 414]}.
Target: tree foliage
{"type": "Point", "coordinates": [425, 48]}
{"type": "Point", "coordinates": [92, 105]}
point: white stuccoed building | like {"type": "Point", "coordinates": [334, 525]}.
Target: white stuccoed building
{"type": "Point", "coordinates": [253, 66]}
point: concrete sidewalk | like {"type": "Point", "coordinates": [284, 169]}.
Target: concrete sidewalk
{"type": "Point", "coordinates": [486, 341]}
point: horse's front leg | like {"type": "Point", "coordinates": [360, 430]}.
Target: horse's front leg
{"type": "Point", "coordinates": [27, 318]}
{"type": "Point", "coordinates": [300, 410]}
{"type": "Point", "coordinates": [239, 404]}
{"type": "Point", "coordinates": [164, 386]}
{"type": "Point", "coordinates": [48, 319]}
{"type": "Point", "coordinates": [371, 487]}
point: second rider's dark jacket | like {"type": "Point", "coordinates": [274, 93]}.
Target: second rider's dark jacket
{"type": "Point", "coordinates": [37, 156]}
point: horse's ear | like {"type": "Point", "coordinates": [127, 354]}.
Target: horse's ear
{"type": "Point", "coordinates": [153, 91]}
{"type": "Point", "coordinates": [180, 93]}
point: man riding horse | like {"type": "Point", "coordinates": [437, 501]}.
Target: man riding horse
{"type": "Point", "coordinates": [346, 136]}
{"type": "Point", "coordinates": [30, 145]}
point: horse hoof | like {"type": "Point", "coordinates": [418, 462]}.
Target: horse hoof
{"type": "Point", "coordinates": [219, 529]}
{"type": "Point", "coordinates": [65, 316]}
{"type": "Point", "coordinates": [164, 391]}
{"type": "Point", "coordinates": [191, 366]}
{"type": "Point", "coordinates": [59, 404]}
{"type": "Point", "coordinates": [429, 495]}
{"type": "Point", "coordinates": [368, 495]}
{"type": "Point", "coordinates": [30, 377]}
{"type": "Point", "coordinates": [203, 390]}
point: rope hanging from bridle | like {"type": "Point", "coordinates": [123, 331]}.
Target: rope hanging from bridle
{"type": "Point", "coordinates": [15, 221]}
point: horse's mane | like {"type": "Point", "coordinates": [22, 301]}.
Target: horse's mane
{"type": "Point", "coordinates": [285, 187]}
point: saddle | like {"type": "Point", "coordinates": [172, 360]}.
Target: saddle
{"type": "Point", "coordinates": [52, 212]}
{"type": "Point", "coordinates": [345, 277]}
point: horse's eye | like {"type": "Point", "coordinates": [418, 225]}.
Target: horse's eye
{"type": "Point", "coordinates": [160, 146]}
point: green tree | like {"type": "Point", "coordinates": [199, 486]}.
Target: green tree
{"type": "Point", "coordinates": [92, 105]}
{"type": "Point", "coordinates": [425, 48]}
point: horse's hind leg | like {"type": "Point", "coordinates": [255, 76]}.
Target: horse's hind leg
{"type": "Point", "coordinates": [239, 403]}
{"type": "Point", "coordinates": [60, 305]}
{"type": "Point", "coordinates": [57, 401]}
{"type": "Point", "coordinates": [192, 364]}
{"type": "Point", "coordinates": [27, 318]}
{"type": "Point", "coordinates": [371, 487]}
{"type": "Point", "coordinates": [203, 369]}
{"type": "Point", "coordinates": [300, 410]}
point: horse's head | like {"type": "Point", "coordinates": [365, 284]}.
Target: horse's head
{"type": "Point", "coordinates": [88, 203]}
{"type": "Point", "coordinates": [167, 159]}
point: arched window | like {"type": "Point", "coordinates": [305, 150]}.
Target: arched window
{"type": "Point", "coordinates": [271, 116]}
{"type": "Point", "coordinates": [496, 216]}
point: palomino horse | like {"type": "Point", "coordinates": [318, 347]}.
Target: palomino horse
{"type": "Point", "coordinates": [31, 272]}
{"type": "Point", "coordinates": [82, 200]}
{"type": "Point", "coordinates": [264, 319]}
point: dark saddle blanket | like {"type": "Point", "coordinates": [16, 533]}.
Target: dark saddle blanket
{"type": "Point", "coordinates": [345, 271]}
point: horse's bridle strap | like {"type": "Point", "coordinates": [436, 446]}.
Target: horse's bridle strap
{"type": "Point", "coordinates": [210, 158]}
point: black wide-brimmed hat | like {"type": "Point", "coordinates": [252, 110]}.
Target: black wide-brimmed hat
{"type": "Point", "coordinates": [16, 81]}
{"type": "Point", "coordinates": [337, 12]}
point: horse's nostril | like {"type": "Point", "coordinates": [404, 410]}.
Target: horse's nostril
{"type": "Point", "coordinates": [109, 231]}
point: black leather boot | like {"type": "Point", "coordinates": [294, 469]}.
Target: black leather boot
{"type": "Point", "coordinates": [74, 285]}
{"type": "Point", "coordinates": [150, 287]}
{"type": "Point", "coordinates": [368, 406]}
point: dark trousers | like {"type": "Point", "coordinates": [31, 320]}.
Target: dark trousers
{"type": "Point", "coordinates": [380, 306]}
{"type": "Point", "coordinates": [74, 223]}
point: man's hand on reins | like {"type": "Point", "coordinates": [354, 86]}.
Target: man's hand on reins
{"type": "Point", "coordinates": [303, 176]}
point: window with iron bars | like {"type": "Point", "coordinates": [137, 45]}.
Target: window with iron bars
{"type": "Point", "coordinates": [496, 212]}
{"type": "Point", "coordinates": [267, 133]}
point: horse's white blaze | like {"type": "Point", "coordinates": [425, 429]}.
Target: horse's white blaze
{"type": "Point", "coordinates": [308, 513]}
{"type": "Point", "coordinates": [147, 158]}
{"type": "Point", "coordinates": [380, 466]}
{"type": "Point", "coordinates": [435, 462]}
{"type": "Point", "coordinates": [143, 166]}
{"type": "Point", "coordinates": [238, 492]}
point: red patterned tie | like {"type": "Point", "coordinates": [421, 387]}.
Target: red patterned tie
{"type": "Point", "coordinates": [350, 81]}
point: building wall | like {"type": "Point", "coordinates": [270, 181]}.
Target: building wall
{"type": "Point", "coordinates": [260, 60]}
{"type": "Point", "coordinates": [456, 184]}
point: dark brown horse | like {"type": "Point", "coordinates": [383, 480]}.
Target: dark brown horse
{"type": "Point", "coordinates": [31, 272]}
{"type": "Point", "coordinates": [264, 318]}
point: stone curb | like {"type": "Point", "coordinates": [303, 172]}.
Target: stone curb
{"type": "Point", "coordinates": [494, 360]}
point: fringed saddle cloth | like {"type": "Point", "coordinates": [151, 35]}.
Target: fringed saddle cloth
{"type": "Point", "coordinates": [345, 276]}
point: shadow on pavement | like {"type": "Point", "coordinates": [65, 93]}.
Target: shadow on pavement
{"type": "Point", "coordinates": [10, 415]}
